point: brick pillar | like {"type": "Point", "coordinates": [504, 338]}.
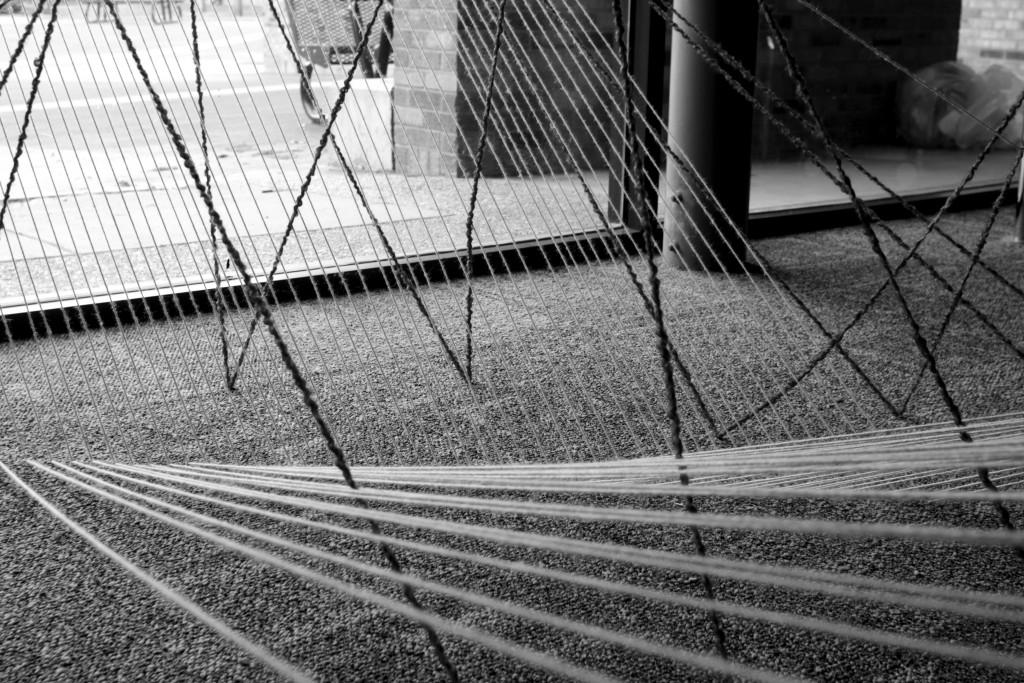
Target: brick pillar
{"type": "Point", "coordinates": [992, 32]}
{"type": "Point", "coordinates": [442, 60]}
{"type": "Point", "coordinates": [426, 87]}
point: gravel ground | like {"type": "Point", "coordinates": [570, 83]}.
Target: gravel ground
{"type": "Point", "coordinates": [566, 370]}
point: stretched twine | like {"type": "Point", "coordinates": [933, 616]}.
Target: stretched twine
{"type": "Point", "coordinates": [910, 595]}
{"type": "Point", "coordinates": [700, 185]}
{"type": "Point", "coordinates": [653, 303]}
{"type": "Point", "coordinates": [726, 608]}
{"type": "Point", "coordinates": [426, 620]}
{"type": "Point", "coordinates": [402, 271]}
{"type": "Point", "coordinates": [619, 254]}
{"type": "Point", "coordinates": [865, 220]}
{"type": "Point", "coordinates": [654, 283]}
{"type": "Point", "coordinates": [984, 605]}
{"type": "Point", "coordinates": [20, 46]}
{"type": "Point", "coordinates": [37, 75]}
{"type": "Point", "coordinates": [219, 304]}
{"type": "Point", "coordinates": [918, 337]}
{"type": "Point", "coordinates": [809, 154]}
{"type": "Point", "coordinates": [778, 102]}
{"type": "Point", "coordinates": [582, 512]}
{"type": "Point", "coordinates": [958, 295]}
{"type": "Point", "coordinates": [499, 32]}
{"type": "Point", "coordinates": [258, 652]}
{"type": "Point", "coordinates": [256, 296]}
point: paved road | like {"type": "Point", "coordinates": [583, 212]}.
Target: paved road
{"type": "Point", "coordinates": [91, 93]}
{"type": "Point", "coordinates": [99, 173]}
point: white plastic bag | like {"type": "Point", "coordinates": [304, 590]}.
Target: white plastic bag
{"type": "Point", "coordinates": [930, 120]}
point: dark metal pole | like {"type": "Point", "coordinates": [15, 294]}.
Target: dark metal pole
{"type": "Point", "coordinates": [709, 124]}
{"type": "Point", "coordinates": [1020, 203]}
{"type": "Point", "coordinates": [646, 40]}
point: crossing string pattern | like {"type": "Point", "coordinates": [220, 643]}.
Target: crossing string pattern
{"type": "Point", "coordinates": [799, 471]}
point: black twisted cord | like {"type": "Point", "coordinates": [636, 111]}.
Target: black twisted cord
{"type": "Point", "coordinates": [20, 46]}
{"type": "Point", "coordinates": [632, 153]}
{"type": "Point", "coordinates": [308, 178]}
{"type": "Point", "coordinates": [663, 10]}
{"type": "Point", "coordinates": [813, 158]}
{"type": "Point", "coordinates": [467, 262]}
{"type": "Point", "coordinates": [916, 213]}
{"type": "Point", "coordinates": [612, 242]}
{"type": "Point", "coordinates": [355, 21]}
{"type": "Point", "coordinates": [615, 247]}
{"type": "Point", "coordinates": [983, 473]}
{"type": "Point", "coordinates": [617, 251]}
{"type": "Point", "coordinates": [403, 272]}
{"type": "Point", "coordinates": [37, 75]}
{"type": "Point", "coordinates": [920, 342]}
{"type": "Point", "coordinates": [629, 111]}
{"type": "Point", "coordinates": [634, 160]}
{"type": "Point", "coordinates": [789, 291]}
{"type": "Point", "coordinates": [218, 294]}
{"type": "Point", "coordinates": [874, 50]}
{"type": "Point", "coordinates": [698, 184]}
{"type": "Point", "coordinates": [722, 435]}
{"type": "Point", "coordinates": [256, 296]}
{"type": "Point", "coordinates": [1019, 203]}
{"type": "Point", "coordinates": [975, 258]}
{"type": "Point", "coordinates": [837, 339]}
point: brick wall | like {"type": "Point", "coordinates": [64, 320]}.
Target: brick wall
{"type": "Point", "coordinates": [442, 58]}
{"type": "Point", "coordinates": [992, 32]}
{"type": "Point", "coordinates": [426, 87]}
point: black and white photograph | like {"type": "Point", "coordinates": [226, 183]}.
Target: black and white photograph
{"type": "Point", "coordinates": [512, 340]}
